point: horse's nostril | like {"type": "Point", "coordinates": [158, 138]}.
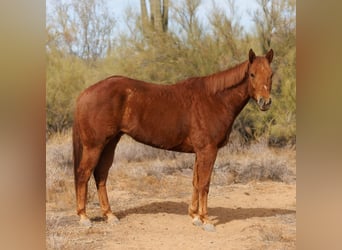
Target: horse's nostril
{"type": "Point", "coordinates": [264, 102]}
{"type": "Point", "coordinates": [261, 101]}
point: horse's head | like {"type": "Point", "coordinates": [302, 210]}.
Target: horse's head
{"type": "Point", "coordinates": [260, 79]}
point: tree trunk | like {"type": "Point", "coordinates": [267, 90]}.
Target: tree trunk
{"type": "Point", "coordinates": [158, 25]}
{"type": "Point", "coordinates": [144, 18]}
{"type": "Point", "coordinates": [159, 15]}
{"type": "Point", "coordinates": [152, 10]}
{"type": "Point", "coordinates": [165, 15]}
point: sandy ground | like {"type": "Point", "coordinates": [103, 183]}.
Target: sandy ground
{"type": "Point", "coordinates": [256, 215]}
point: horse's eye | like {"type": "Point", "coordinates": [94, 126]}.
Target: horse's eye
{"type": "Point", "coordinates": [252, 75]}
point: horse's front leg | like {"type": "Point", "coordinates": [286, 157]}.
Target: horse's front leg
{"type": "Point", "coordinates": [193, 208]}
{"type": "Point", "coordinates": [204, 164]}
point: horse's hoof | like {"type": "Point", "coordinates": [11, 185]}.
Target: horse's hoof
{"type": "Point", "coordinates": [197, 222]}
{"type": "Point", "coordinates": [85, 222]}
{"type": "Point", "coordinates": [112, 220]}
{"type": "Point", "coordinates": [208, 227]}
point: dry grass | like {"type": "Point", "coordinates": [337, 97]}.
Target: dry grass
{"type": "Point", "coordinates": [281, 235]}
{"type": "Point", "coordinates": [53, 239]}
{"type": "Point", "coordinates": [59, 171]}
{"type": "Point", "coordinates": [256, 162]}
{"type": "Point", "coordinates": [278, 232]}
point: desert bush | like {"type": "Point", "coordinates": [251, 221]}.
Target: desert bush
{"type": "Point", "coordinates": [254, 162]}
{"type": "Point", "coordinates": [65, 79]}
{"type": "Point", "coordinates": [59, 171]}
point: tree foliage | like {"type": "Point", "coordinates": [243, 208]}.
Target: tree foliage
{"type": "Point", "coordinates": [82, 28]}
{"type": "Point", "coordinates": [166, 41]}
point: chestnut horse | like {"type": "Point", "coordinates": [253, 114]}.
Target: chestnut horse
{"type": "Point", "coordinates": [194, 116]}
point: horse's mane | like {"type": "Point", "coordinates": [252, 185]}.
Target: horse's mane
{"type": "Point", "coordinates": [226, 79]}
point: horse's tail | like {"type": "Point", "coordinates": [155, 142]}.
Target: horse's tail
{"type": "Point", "coordinates": [77, 147]}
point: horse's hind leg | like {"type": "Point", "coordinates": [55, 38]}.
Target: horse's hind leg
{"type": "Point", "coordinates": [89, 160]}
{"type": "Point", "coordinates": [101, 174]}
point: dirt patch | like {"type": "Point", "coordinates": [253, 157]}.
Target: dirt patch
{"type": "Point", "coordinates": [259, 215]}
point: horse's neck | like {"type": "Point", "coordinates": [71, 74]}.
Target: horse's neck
{"type": "Point", "coordinates": [235, 98]}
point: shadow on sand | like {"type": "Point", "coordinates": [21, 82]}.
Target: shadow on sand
{"type": "Point", "coordinates": [221, 215]}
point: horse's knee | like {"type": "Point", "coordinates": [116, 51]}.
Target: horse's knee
{"type": "Point", "coordinates": [83, 175]}
{"type": "Point", "coordinates": [206, 188]}
{"type": "Point", "coordinates": [203, 189]}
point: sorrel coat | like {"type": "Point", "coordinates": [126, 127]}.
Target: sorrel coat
{"type": "Point", "coordinates": [194, 116]}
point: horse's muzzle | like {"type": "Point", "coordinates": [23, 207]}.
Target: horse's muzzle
{"type": "Point", "coordinates": [264, 104]}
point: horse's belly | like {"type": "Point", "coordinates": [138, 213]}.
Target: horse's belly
{"type": "Point", "coordinates": [160, 134]}
{"type": "Point", "coordinates": [161, 123]}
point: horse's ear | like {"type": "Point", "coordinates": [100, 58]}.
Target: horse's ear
{"type": "Point", "coordinates": [251, 56]}
{"type": "Point", "coordinates": [269, 55]}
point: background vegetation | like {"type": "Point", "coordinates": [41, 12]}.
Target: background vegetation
{"type": "Point", "coordinates": [165, 41]}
